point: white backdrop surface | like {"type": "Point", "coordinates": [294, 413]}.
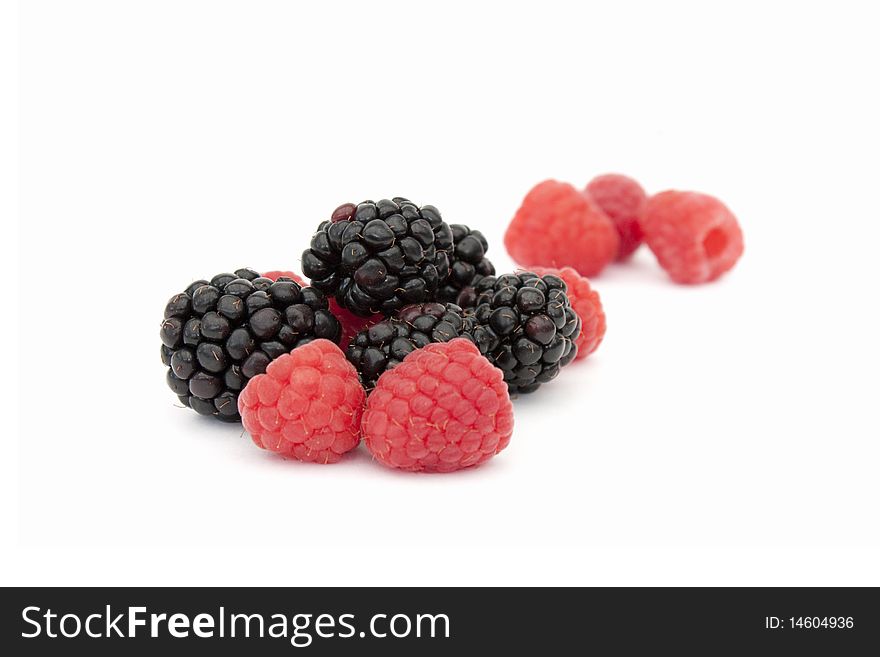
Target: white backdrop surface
{"type": "Point", "coordinates": [722, 434]}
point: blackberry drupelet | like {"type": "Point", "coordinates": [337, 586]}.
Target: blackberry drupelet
{"type": "Point", "coordinates": [526, 326]}
{"type": "Point", "coordinates": [378, 257]}
{"type": "Point", "coordinates": [386, 344]}
{"type": "Point", "coordinates": [218, 334]}
{"type": "Point", "coordinates": [468, 266]}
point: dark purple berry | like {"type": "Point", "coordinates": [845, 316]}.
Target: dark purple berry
{"type": "Point", "coordinates": [379, 257]}
{"type": "Point", "coordinates": [385, 344]}
{"type": "Point", "coordinates": [526, 326]}
{"type": "Point", "coordinates": [217, 335]}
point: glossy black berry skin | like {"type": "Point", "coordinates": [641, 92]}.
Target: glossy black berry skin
{"type": "Point", "coordinates": [525, 325]}
{"type": "Point", "coordinates": [384, 345]}
{"type": "Point", "coordinates": [468, 266]}
{"type": "Point", "coordinates": [377, 257]}
{"type": "Point", "coordinates": [218, 334]}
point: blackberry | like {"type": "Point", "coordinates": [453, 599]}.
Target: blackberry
{"type": "Point", "coordinates": [218, 334]}
{"type": "Point", "coordinates": [468, 266]}
{"type": "Point", "coordinates": [386, 344]}
{"type": "Point", "coordinates": [378, 257]}
{"type": "Point", "coordinates": [526, 326]}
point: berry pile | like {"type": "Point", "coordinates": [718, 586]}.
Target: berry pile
{"type": "Point", "coordinates": [694, 236]}
{"type": "Point", "coordinates": [407, 338]}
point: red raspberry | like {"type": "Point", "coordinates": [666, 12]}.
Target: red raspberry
{"type": "Point", "coordinates": [351, 324]}
{"type": "Point", "coordinates": [275, 275]}
{"type": "Point", "coordinates": [623, 200]}
{"type": "Point", "coordinates": [557, 226]}
{"type": "Point", "coordinates": [588, 306]}
{"type": "Point", "coordinates": [308, 404]}
{"type": "Point", "coordinates": [445, 407]}
{"type": "Point", "coordinates": [694, 236]}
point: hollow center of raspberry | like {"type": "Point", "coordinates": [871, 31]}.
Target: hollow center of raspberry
{"type": "Point", "coordinates": [715, 242]}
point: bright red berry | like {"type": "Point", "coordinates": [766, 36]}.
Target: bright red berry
{"type": "Point", "coordinates": [588, 306]}
{"type": "Point", "coordinates": [623, 200]}
{"type": "Point", "coordinates": [445, 407]}
{"type": "Point", "coordinates": [308, 405]}
{"type": "Point", "coordinates": [275, 275]}
{"type": "Point", "coordinates": [558, 226]}
{"type": "Point", "coordinates": [694, 236]}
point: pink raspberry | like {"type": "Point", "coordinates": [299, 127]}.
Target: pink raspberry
{"type": "Point", "coordinates": [275, 275]}
{"type": "Point", "coordinates": [624, 201]}
{"type": "Point", "coordinates": [445, 407]}
{"type": "Point", "coordinates": [558, 226]}
{"type": "Point", "coordinates": [588, 306]}
{"type": "Point", "coordinates": [694, 236]}
{"type": "Point", "coordinates": [308, 405]}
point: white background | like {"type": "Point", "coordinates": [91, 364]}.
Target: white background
{"type": "Point", "coordinates": [723, 434]}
